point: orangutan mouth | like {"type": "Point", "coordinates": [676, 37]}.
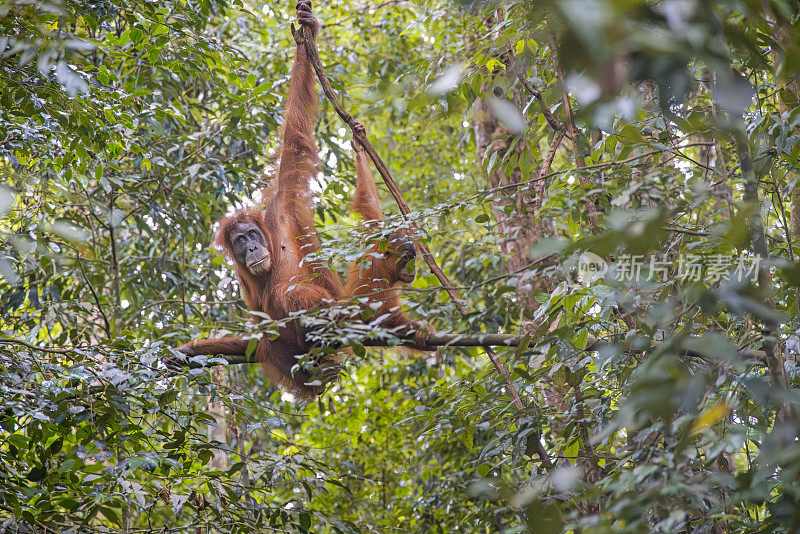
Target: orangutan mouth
{"type": "Point", "coordinates": [258, 263]}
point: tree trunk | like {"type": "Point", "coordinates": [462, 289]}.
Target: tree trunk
{"type": "Point", "coordinates": [514, 210]}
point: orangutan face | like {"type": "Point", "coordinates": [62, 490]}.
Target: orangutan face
{"type": "Point", "coordinates": [251, 248]}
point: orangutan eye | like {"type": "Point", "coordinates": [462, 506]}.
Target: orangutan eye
{"type": "Point", "coordinates": [251, 234]}
{"type": "Point", "coordinates": [240, 240]}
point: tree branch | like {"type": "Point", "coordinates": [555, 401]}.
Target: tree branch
{"type": "Point", "coordinates": [537, 94]}
{"type": "Point", "coordinates": [12, 341]}
{"type": "Point", "coordinates": [486, 340]}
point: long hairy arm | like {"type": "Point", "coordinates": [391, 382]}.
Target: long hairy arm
{"type": "Point", "coordinates": [366, 201]}
{"type": "Point", "coordinates": [299, 158]}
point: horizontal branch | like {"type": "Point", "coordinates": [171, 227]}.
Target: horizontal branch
{"type": "Point", "coordinates": [434, 340]}
{"type": "Point", "coordinates": [471, 340]}
{"type": "Point", "coordinates": [457, 340]}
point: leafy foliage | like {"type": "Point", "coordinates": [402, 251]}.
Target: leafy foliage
{"type": "Point", "coordinates": [663, 404]}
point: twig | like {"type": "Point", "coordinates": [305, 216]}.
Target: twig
{"type": "Point", "coordinates": [785, 222]}
{"type": "Point", "coordinates": [585, 168]}
{"type": "Point", "coordinates": [537, 94]}
{"type": "Point", "coordinates": [548, 115]}
{"type": "Point", "coordinates": [678, 230]}
{"type": "Point", "coordinates": [692, 160]}
{"type": "Point", "coordinates": [107, 326]}
{"type": "Point", "coordinates": [551, 153]}
{"type": "Point", "coordinates": [115, 265]}
{"type": "Point", "coordinates": [360, 13]}
{"type": "Point", "coordinates": [12, 341]}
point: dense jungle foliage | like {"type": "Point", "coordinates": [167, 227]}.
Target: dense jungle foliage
{"type": "Point", "coordinates": [614, 181]}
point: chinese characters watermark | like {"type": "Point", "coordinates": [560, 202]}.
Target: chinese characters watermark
{"type": "Point", "coordinates": [710, 268]}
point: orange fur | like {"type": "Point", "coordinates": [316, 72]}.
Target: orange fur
{"type": "Point", "coordinates": [375, 275]}
{"type": "Point", "coordinates": [292, 282]}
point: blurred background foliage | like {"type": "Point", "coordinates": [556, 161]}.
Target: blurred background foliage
{"type": "Point", "coordinates": [660, 405]}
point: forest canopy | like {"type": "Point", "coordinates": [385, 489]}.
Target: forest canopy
{"type": "Point", "coordinates": [609, 184]}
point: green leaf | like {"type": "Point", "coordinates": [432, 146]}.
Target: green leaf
{"type": "Point", "coordinates": [305, 521]}
{"type": "Point", "coordinates": [167, 398]}
{"type": "Point", "coordinates": [37, 474]}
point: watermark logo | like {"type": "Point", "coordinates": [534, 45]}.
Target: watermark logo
{"type": "Point", "coordinates": [635, 268]}
{"type": "Point", "coordinates": [591, 268]}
